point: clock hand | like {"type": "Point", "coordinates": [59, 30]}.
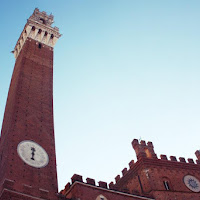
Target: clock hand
{"type": "Point", "coordinates": [33, 153]}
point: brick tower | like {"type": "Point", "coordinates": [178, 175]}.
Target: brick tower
{"type": "Point", "coordinates": [27, 145]}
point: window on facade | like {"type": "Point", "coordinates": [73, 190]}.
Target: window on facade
{"type": "Point", "coordinates": [43, 21]}
{"type": "Point", "coordinates": [148, 154]}
{"type": "Point", "coordinates": [166, 184]}
{"type": "Point", "coordinates": [101, 197]}
{"type": "Point", "coordinates": [40, 31]}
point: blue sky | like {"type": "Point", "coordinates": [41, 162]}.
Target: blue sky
{"type": "Point", "coordinates": [123, 69]}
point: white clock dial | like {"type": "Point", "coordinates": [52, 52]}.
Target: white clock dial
{"type": "Point", "coordinates": [192, 183]}
{"type": "Point", "coordinates": [32, 154]}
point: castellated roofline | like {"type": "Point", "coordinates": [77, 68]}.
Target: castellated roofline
{"type": "Point", "coordinates": [145, 154]}
{"type": "Point", "coordinates": [146, 159]}
{"type": "Point", "coordinates": [77, 179]}
{"type": "Point", "coordinates": [38, 28]}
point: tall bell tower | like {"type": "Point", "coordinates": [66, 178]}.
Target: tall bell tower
{"type": "Point", "coordinates": [27, 145]}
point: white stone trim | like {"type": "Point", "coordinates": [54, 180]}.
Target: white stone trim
{"type": "Point", "coordinates": [42, 33]}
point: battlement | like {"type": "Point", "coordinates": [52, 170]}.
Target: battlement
{"type": "Point", "coordinates": [89, 181]}
{"type": "Point", "coordinates": [42, 17]}
{"type": "Point", "coordinates": [144, 150]}
{"type": "Point", "coordinates": [181, 159]}
{"type": "Point", "coordinates": [145, 157]}
{"type": "Point", "coordinates": [77, 183]}
{"type": "Point", "coordinates": [38, 28]}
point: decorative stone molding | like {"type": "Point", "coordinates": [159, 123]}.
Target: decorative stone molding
{"type": "Point", "coordinates": [38, 28]}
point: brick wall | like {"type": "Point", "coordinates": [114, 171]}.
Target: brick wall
{"type": "Point", "coordinates": [29, 116]}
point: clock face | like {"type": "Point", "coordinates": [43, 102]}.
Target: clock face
{"type": "Point", "coordinates": [32, 154]}
{"type": "Point", "coordinates": [192, 183]}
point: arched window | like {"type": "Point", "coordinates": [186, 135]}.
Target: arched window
{"type": "Point", "coordinates": [101, 197]}
{"type": "Point", "coordinates": [148, 154]}
{"type": "Point", "coordinates": [167, 184]}
{"type": "Point", "coordinates": [42, 21]}
{"type": "Point", "coordinates": [40, 31]}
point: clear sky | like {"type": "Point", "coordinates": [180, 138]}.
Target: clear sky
{"type": "Point", "coordinates": [123, 69]}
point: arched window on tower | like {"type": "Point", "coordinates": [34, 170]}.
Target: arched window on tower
{"type": "Point", "coordinates": [40, 31]}
{"type": "Point", "coordinates": [42, 21]}
{"type": "Point", "coordinates": [166, 184]}
{"type": "Point", "coordinates": [148, 154]}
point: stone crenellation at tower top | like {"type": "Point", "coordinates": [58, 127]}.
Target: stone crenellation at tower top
{"type": "Point", "coordinates": [38, 27]}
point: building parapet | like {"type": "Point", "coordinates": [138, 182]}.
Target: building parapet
{"type": "Point", "coordinates": [102, 186]}
{"type": "Point", "coordinates": [145, 150]}
{"type": "Point", "coordinates": [145, 154]}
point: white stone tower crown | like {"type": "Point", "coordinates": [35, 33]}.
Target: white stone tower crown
{"type": "Point", "coordinates": [38, 27]}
